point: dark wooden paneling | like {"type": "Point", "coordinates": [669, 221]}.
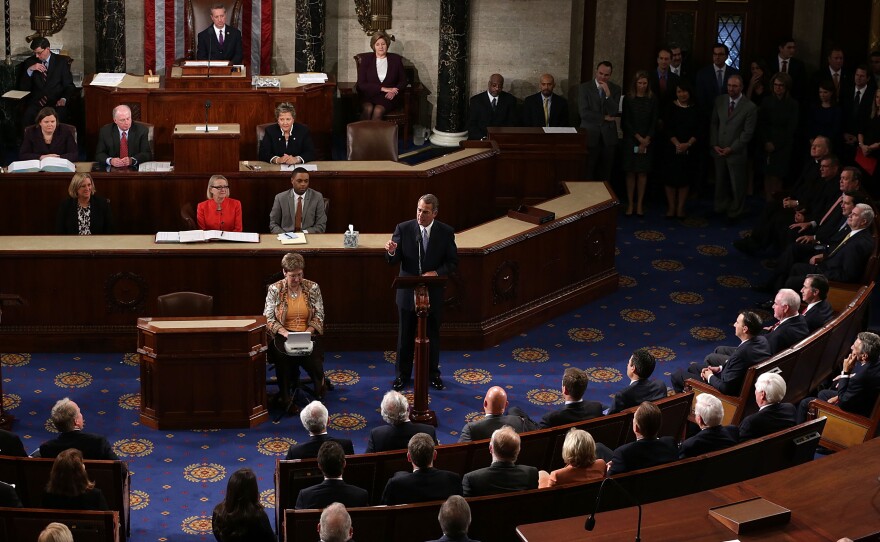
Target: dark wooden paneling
{"type": "Point", "coordinates": [847, 24]}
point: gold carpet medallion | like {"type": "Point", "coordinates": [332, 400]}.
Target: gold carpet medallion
{"type": "Point", "coordinates": [346, 421]}
{"type": "Point", "coordinates": [661, 353]}
{"type": "Point", "coordinates": [667, 265]}
{"type": "Point", "coordinates": [472, 376]}
{"type": "Point", "coordinates": [73, 380]}
{"type": "Point", "coordinates": [649, 235]}
{"type": "Point", "coordinates": [274, 445]}
{"type": "Point", "coordinates": [131, 359]}
{"type": "Point", "coordinates": [585, 334]}
{"type": "Point", "coordinates": [603, 374]}
{"type": "Point", "coordinates": [267, 498]}
{"type": "Point", "coordinates": [130, 401]}
{"type": "Point", "coordinates": [637, 315]}
{"type": "Point", "coordinates": [342, 377]}
{"type": "Point", "coordinates": [196, 525]}
{"type": "Point", "coordinates": [133, 447]}
{"type": "Point", "coordinates": [10, 401]}
{"type": "Point", "coordinates": [686, 298]}
{"type": "Point", "coordinates": [204, 472]}
{"type": "Point", "coordinates": [711, 250]}
{"type": "Point", "coordinates": [14, 360]}
{"type": "Point", "coordinates": [530, 355]}
{"type": "Point", "coordinates": [138, 500]}
{"type": "Point", "coordinates": [707, 333]}
{"type": "Point", "coordinates": [626, 282]}
{"type": "Point", "coordinates": [733, 281]}
{"type": "Point", "coordinates": [545, 396]}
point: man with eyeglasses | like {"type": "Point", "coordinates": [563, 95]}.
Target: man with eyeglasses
{"type": "Point", "coordinates": [48, 79]}
{"type": "Point", "coordinates": [123, 143]}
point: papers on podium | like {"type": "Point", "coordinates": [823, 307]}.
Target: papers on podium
{"type": "Point", "coordinates": [204, 236]}
{"type": "Point", "coordinates": [311, 77]}
{"type": "Point", "coordinates": [155, 166]}
{"type": "Point", "coordinates": [15, 94]}
{"type": "Point", "coordinates": [291, 167]}
{"type": "Point", "coordinates": [291, 238]}
{"type": "Point", "coordinates": [50, 163]}
{"type": "Point", "coordinates": [107, 79]}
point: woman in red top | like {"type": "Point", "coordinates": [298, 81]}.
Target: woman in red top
{"type": "Point", "coordinates": [219, 211]}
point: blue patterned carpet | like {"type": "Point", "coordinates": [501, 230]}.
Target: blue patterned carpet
{"type": "Point", "coordinates": [681, 287]}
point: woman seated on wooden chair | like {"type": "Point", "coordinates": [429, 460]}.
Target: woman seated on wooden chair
{"type": "Point", "coordinates": [380, 79]}
{"type": "Point", "coordinates": [295, 304]}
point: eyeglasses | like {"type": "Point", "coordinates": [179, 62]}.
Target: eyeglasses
{"type": "Point", "coordinates": [225, 187]}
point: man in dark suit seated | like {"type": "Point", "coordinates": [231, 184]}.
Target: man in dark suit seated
{"type": "Point", "coordinates": [503, 475]}
{"type": "Point", "coordinates": [455, 520]}
{"type": "Point", "coordinates": [574, 385]}
{"type": "Point", "coordinates": [856, 387]}
{"type": "Point", "coordinates": [494, 406]}
{"type": "Point", "coordinates": [817, 310]}
{"type": "Point", "coordinates": [8, 496]}
{"type": "Point", "coordinates": [331, 461]}
{"type": "Point", "coordinates": [772, 415]}
{"type": "Point", "coordinates": [314, 419]}
{"type": "Point", "coordinates": [10, 444]}
{"type": "Point", "coordinates": [68, 420]}
{"type": "Point", "coordinates": [845, 262]}
{"type": "Point", "coordinates": [335, 524]}
{"type": "Point", "coordinates": [545, 108]}
{"type": "Point", "coordinates": [424, 483]}
{"type": "Point", "coordinates": [287, 143]}
{"type": "Point", "coordinates": [220, 41]}
{"type": "Point", "coordinates": [790, 326]}
{"type": "Point", "coordinates": [712, 436]}
{"type": "Point", "coordinates": [648, 450]}
{"type": "Point", "coordinates": [396, 435]}
{"type": "Point", "coordinates": [639, 370]}
{"type": "Point", "coordinates": [123, 143]}
{"type": "Point", "coordinates": [491, 108]}
{"type": "Point", "coordinates": [48, 79]}
{"type": "Point", "coordinates": [728, 378]}
{"type": "Point", "coordinates": [299, 208]}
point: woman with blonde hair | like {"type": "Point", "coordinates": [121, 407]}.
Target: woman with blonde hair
{"type": "Point", "coordinates": [56, 532]}
{"type": "Point", "coordinates": [639, 120]}
{"type": "Point", "coordinates": [84, 212]}
{"type": "Point", "coordinates": [219, 211]}
{"type": "Point", "coordinates": [581, 465]}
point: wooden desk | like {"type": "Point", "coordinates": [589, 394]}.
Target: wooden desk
{"type": "Point", "coordinates": [196, 151]}
{"type": "Point", "coordinates": [829, 498]}
{"type": "Point", "coordinates": [164, 107]}
{"type": "Point", "coordinates": [511, 275]}
{"type": "Point", "coordinates": [203, 373]}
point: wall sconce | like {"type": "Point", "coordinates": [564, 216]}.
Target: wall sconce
{"type": "Point", "coordinates": [373, 15]}
{"type": "Point", "coordinates": [47, 17]}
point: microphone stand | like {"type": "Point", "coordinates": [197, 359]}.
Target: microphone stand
{"type": "Point", "coordinates": [210, 47]}
{"type": "Point", "coordinates": [207, 106]}
{"type": "Point", "coordinates": [590, 523]}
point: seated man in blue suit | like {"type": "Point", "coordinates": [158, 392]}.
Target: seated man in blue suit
{"type": "Point", "coordinates": [396, 435]}
{"type": "Point", "coordinates": [314, 418]}
{"type": "Point", "coordinates": [574, 385]}
{"type": "Point", "coordinates": [424, 483]}
{"type": "Point", "coordinates": [772, 415]}
{"type": "Point", "coordinates": [857, 386]}
{"type": "Point", "coordinates": [641, 388]}
{"type": "Point", "coordinates": [712, 436]}
{"type": "Point", "coordinates": [331, 461]}
{"type": "Point", "coordinates": [220, 41]}
{"type": "Point", "coordinates": [648, 450]}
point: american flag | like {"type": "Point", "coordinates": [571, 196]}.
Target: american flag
{"type": "Point", "coordinates": [164, 34]}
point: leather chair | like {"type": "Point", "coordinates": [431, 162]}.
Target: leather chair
{"type": "Point", "coordinates": [197, 17]}
{"type": "Point", "coordinates": [188, 217]}
{"type": "Point", "coordinates": [371, 140]}
{"type": "Point", "coordinates": [261, 133]}
{"type": "Point", "coordinates": [180, 304]}
{"type": "Point", "coordinates": [150, 130]}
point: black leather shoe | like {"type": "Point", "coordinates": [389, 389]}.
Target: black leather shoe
{"type": "Point", "coordinates": [437, 383]}
{"type": "Point", "coordinates": [397, 385]}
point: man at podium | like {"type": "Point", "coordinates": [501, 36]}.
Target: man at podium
{"type": "Point", "coordinates": [220, 41]}
{"type": "Point", "coordinates": [424, 247]}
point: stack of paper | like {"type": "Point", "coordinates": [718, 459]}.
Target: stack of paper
{"type": "Point", "coordinates": [311, 77]}
{"type": "Point", "coordinates": [292, 238]}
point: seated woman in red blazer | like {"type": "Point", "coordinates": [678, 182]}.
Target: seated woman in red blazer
{"type": "Point", "coordinates": [219, 211]}
{"type": "Point", "coordinates": [380, 79]}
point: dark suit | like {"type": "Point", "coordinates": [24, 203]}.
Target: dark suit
{"type": "Point", "coordinates": [844, 264]}
{"type": "Point", "coordinates": [481, 115]}
{"type": "Point", "coordinates": [664, 98]}
{"type": "Point", "coordinates": [92, 499]}
{"type": "Point", "coordinates": [733, 131]}
{"type": "Point", "coordinates": [108, 144]}
{"type": "Point", "coordinates": [858, 393]}
{"type": "Point", "coordinates": [10, 444]}
{"type": "Point", "coordinates": [730, 380]}
{"type": "Point", "coordinates": [499, 477]}
{"type": "Point", "coordinates": [396, 437]}
{"type": "Point", "coordinates": [820, 314]}
{"type": "Point", "coordinates": [573, 412]}
{"type": "Point", "coordinates": [642, 454]}
{"type": "Point", "coordinates": [298, 144]}
{"type": "Point", "coordinates": [637, 393]}
{"type": "Point", "coordinates": [91, 445]}
{"type": "Point", "coordinates": [282, 217]}
{"type": "Point", "coordinates": [63, 144]}
{"type": "Point", "coordinates": [46, 92]}
{"type": "Point", "coordinates": [66, 222]}
{"type": "Point", "coordinates": [706, 86]}
{"type": "Point", "coordinates": [770, 419]}
{"type": "Point", "coordinates": [788, 333]}
{"type": "Point", "coordinates": [441, 257]}
{"type": "Point", "coordinates": [708, 440]}
{"type": "Point", "coordinates": [798, 73]}
{"type": "Point", "coordinates": [483, 429]}
{"type": "Point", "coordinates": [368, 86]}
{"type": "Point", "coordinates": [309, 448]}
{"type": "Point", "coordinates": [533, 111]}
{"type": "Point", "coordinates": [445, 538]}
{"type": "Point", "coordinates": [423, 485]}
{"type": "Point", "coordinates": [209, 47]}
{"type": "Point", "coordinates": [329, 492]}
{"type": "Point", "coordinates": [8, 496]}
{"type": "Point", "coordinates": [601, 133]}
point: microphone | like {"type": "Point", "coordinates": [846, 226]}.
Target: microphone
{"type": "Point", "coordinates": [591, 519]}
{"type": "Point", "coordinates": [210, 47]}
{"type": "Point", "coordinates": [207, 106]}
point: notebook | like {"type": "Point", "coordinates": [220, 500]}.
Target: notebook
{"type": "Point", "coordinates": [299, 343]}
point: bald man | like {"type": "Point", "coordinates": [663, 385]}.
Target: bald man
{"type": "Point", "coordinates": [494, 406]}
{"type": "Point", "coordinates": [545, 108]}
{"type": "Point", "coordinates": [491, 108]}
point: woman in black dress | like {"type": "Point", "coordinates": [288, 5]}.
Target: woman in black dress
{"type": "Point", "coordinates": [639, 121]}
{"type": "Point", "coordinates": [777, 123]}
{"type": "Point", "coordinates": [69, 487]}
{"type": "Point", "coordinates": [682, 127]}
{"type": "Point", "coordinates": [240, 517]}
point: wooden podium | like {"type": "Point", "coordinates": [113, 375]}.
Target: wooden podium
{"type": "Point", "coordinates": [203, 373]}
{"type": "Point", "coordinates": [196, 151]}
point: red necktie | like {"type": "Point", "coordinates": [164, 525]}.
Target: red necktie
{"type": "Point", "coordinates": [123, 145]}
{"type": "Point", "coordinates": [298, 218]}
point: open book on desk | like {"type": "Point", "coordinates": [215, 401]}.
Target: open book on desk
{"type": "Point", "coordinates": [204, 236]}
{"type": "Point", "coordinates": [50, 163]}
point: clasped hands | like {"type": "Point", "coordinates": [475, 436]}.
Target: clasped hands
{"type": "Point", "coordinates": [121, 162]}
{"type": "Point", "coordinates": [709, 371]}
{"type": "Point", "coordinates": [390, 92]}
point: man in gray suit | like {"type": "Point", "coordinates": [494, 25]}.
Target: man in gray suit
{"type": "Point", "coordinates": [599, 105]}
{"type": "Point", "coordinates": [298, 209]}
{"type": "Point", "coordinates": [733, 124]}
